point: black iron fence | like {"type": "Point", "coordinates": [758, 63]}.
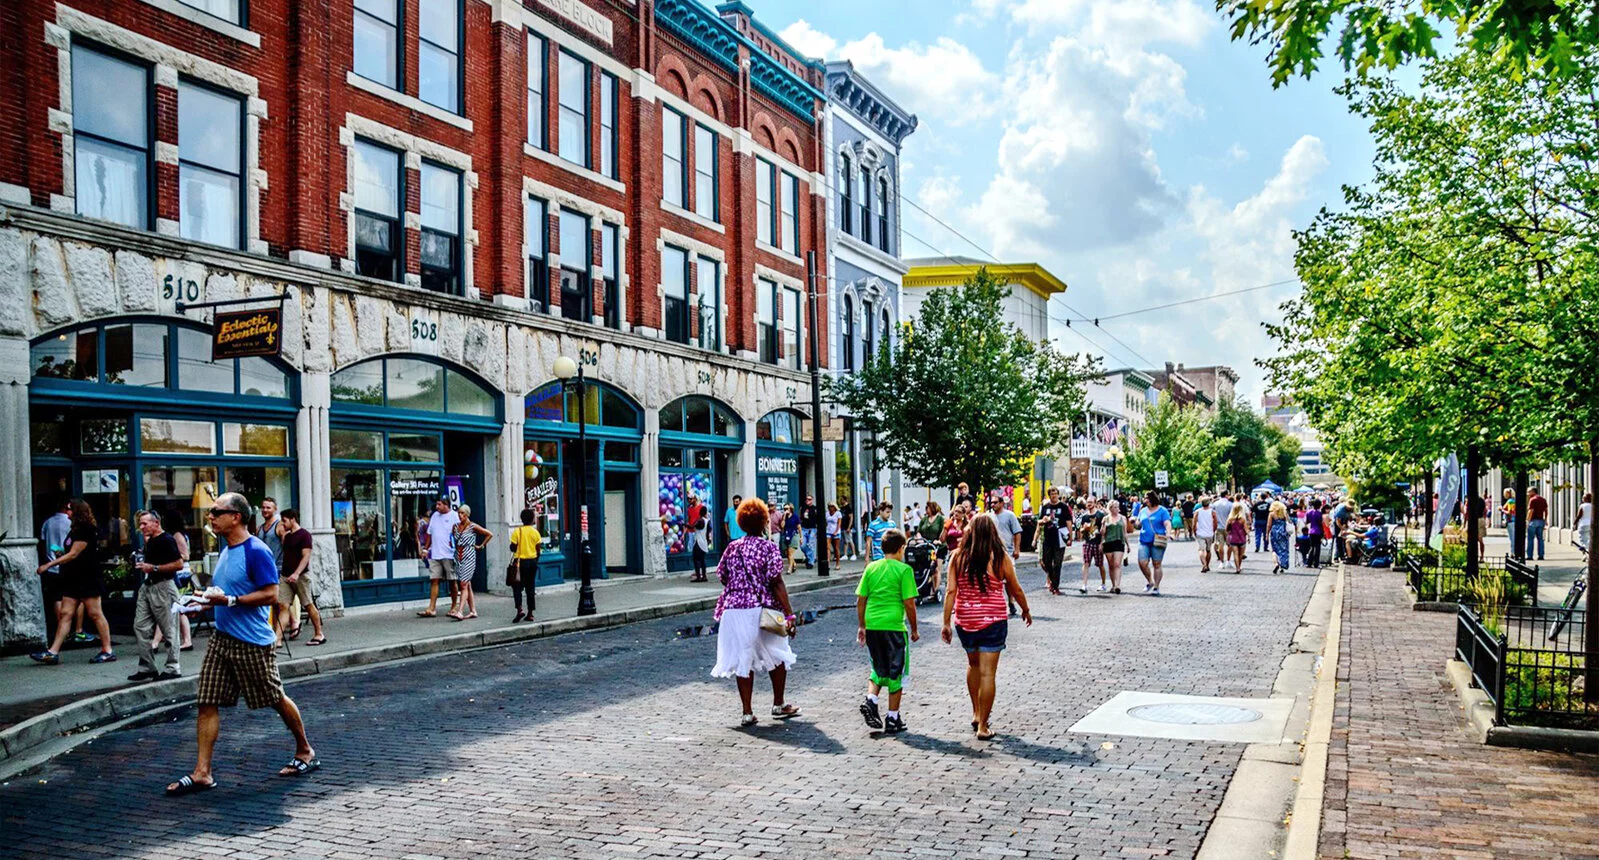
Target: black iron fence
{"type": "Point", "coordinates": [1433, 581]}
{"type": "Point", "coordinates": [1530, 663]}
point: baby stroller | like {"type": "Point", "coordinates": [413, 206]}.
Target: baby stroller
{"type": "Point", "coordinates": [1377, 547]}
{"type": "Point", "coordinates": [922, 555]}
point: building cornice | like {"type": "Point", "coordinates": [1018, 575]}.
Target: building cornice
{"type": "Point", "coordinates": [849, 89]}
{"type": "Point", "coordinates": [1030, 275]}
{"type": "Point", "coordinates": [720, 41]}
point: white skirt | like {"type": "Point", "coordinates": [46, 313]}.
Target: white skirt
{"type": "Point", "coordinates": [743, 648]}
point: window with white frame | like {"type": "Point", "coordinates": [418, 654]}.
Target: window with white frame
{"type": "Point", "coordinates": [869, 343]}
{"type": "Point", "coordinates": [882, 213]}
{"type": "Point", "coordinates": [608, 138]}
{"type": "Point", "coordinates": [573, 130]}
{"type": "Point", "coordinates": [210, 165]}
{"type": "Point", "coordinates": [790, 213]}
{"type": "Point", "coordinates": [610, 265]}
{"type": "Point", "coordinates": [439, 53]}
{"type": "Point", "coordinates": [765, 201]}
{"type": "Point", "coordinates": [791, 327]}
{"type": "Point", "coordinates": [231, 11]}
{"type": "Point", "coordinates": [708, 281]}
{"type": "Point", "coordinates": [576, 301]}
{"type": "Point", "coordinates": [705, 161]}
{"type": "Point", "coordinates": [377, 41]}
{"type": "Point", "coordinates": [847, 335]}
{"type": "Point", "coordinates": [536, 235]}
{"type": "Point", "coordinates": [766, 320]}
{"type": "Point", "coordinates": [865, 202]}
{"type": "Point", "coordinates": [379, 207]}
{"type": "Point", "coordinates": [674, 300]}
{"type": "Point", "coordinates": [885, 334]}
{"type": "Point", "coordinates": [674, 173]}
{"type": "Point", "coordinates": [441, 228]}
{"type": "Point", "coordinates": [111, 137]}
{"type": "Point", "coordinates": [846, 208]}
{"type": "Point", "coordinates": [537, 64]}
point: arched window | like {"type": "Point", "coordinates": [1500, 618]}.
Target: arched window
{"type": "Point", "coordinates": [846, 209]}
{"type": "Point", "coordinates": [867, 330]}
{"type": "Point", "coordinates": [143, 357]}
{"type": "Point", "coordinates": [603, 406]}
{"type": "Point", "coordinates": [882, 213]}
{"type": "Point", "coordinates": [701, 415]}
{"type": "Point", "coordinates": [848, 346]}
{"type": "Point", "coordinates": [414, 384]}
{"type": "Point", "coordinates": [783, 427]}
{"type": "Point", "coordinates": [866, 204]}
{"type": "Point", "coordinates": [885, 333]}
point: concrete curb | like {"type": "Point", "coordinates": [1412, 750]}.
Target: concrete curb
{"type": "Point", "coordinates": [1304, 826]}
{"type": "Point", "coordinates": [1480, 712]}
{"type": "Point", "coordinates": [40, 738]}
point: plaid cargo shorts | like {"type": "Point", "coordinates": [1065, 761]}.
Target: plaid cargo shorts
{"type": "Point", "coordinates": [233, 666]}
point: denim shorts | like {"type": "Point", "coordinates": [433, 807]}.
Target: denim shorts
{"type": "Point", "coordinates": [1150, 552]}
{"type": "Point", "coordinates": [990, 639]}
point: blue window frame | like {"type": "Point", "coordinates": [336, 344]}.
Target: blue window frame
{"type": "Point", "coordinates": [418, 389]}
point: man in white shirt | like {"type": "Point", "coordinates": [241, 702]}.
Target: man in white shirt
{"type": "Point", "coordinates": [1223, 506]}
{"type": "Point", "coordinates": [438, 540]}
{"type": "Point", "coordinates": [1584, 522]}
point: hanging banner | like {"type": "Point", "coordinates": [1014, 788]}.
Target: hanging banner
{"type": "Point", "coordinates": [1448, 497]}
{"type": "Point", "coordinates": [240, 334]}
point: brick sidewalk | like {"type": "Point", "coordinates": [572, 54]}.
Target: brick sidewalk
{"type": "Point", "coordinates": [1405, 778]}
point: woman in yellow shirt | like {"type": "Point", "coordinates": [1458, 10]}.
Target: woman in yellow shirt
{"type": "Point", "coordinates": [525, 543]}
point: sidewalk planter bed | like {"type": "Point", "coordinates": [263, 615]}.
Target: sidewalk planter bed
{"type": "Point", "coordinates": [1532, 679]}
{"type": "Point", "coordinates": [1446, 583]}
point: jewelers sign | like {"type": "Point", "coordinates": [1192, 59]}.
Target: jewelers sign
{"type": "Point", "coordinates": [238, 334]}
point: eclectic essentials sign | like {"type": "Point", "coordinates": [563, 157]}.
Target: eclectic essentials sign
{"type": "Point", "coordinates": [586, 17]}
{"type": "Point", "coordinates": [240, 334]}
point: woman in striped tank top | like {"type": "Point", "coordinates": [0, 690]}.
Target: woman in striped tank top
{"type": "Point", "coordinates": [979, 576]}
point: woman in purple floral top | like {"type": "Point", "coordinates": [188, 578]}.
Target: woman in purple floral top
{"type": "Point", "coordinates": [751, 570]}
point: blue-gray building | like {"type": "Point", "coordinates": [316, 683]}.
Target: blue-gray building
{"type": "Point", "coordinates": [864, 133]}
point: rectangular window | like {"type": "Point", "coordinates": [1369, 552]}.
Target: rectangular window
{"type": "Point", "coordinates": [537, 63]}
{"type": "Point", "coordinates": [210, 165]}
{"type": "Point", "coordinates": [608, 166]}
{"type": "Point", "coordinates": [867, 332]}
{"type": "Point", "coordinates": [536, 230]}
{"type": "Point", "coordinates": [573, 132]}
{"type": "Point", "coordinates": [377, 41]}
{"type": "Point", "coordinates": [791, 327]}
{"type": "Point", "coordinates": [765, 177]}
{"type": "Point", "coordinates": [766, 320]}
{"type": "Point", "coordinates": [790, 213]}
{"type": "Point", "coordinates": [705, 161]}
{"type": "Point", "coordinates": [439, 53]}
{"type": "Point", "coordinates": [379, 196]}
{"type": "Point", "coordinates": [111, 137]}
{"type": "Point", "coordinates": [708, 281]}
{"type": "Point", "coordinates": [882, 214]}
{"type": "Point", "coordinates": [846, 206]}
{"type": "Point", "coordinates": [576, 253]}
{"type": "Point", "coordinates": [865, 201]}
{"type": "Point", "coordinates": [441, 229]}
{"type": "Point", "coordinates": [227, 10]}
{"type": "Point", "coordinates": [674, 180]}
{"type": "Point", "coordinates": [610, 264]}
{"type": "Point", "coordinates": [674, 303]}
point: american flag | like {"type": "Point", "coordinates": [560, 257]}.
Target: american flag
{"type": "Point", "coordinates": [1110, 432]}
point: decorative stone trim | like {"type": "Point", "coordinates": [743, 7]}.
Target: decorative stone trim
{"type": "Point", "coordinates": [405, 100]}
{"type": "Point", "coordinates": [778, 252]}
{"type": "Point", "coordinates": [208, 21]}
{"type": "Point", "coordinates": [690, 215]}
{"type": "Point", "coordinates": [744, 144]}
{"type": "Point", "coordinates": [770, 274]}
{"type": "Point", "coordinates": [577, 170]}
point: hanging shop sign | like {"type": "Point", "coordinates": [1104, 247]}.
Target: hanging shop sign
{"type": "Point", "coordinates": [240, 334]}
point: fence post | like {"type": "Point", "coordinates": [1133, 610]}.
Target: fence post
{"type": "Point", "coordinates": [1499, 681]}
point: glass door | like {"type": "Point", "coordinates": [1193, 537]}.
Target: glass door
{"type": "Point", "coordinates": [411, 496]}
{"type": "Point", "coordinates": [360, 524]}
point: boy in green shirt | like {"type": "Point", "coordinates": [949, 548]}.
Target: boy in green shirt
{"type": "Point", "coordinates": [884, 602]}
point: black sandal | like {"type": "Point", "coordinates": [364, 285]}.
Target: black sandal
{"type": "Point", "coordinates": [188, 785]}
{"type": "Point", "coordinates": [300, 766]}
{"type": "Point", "coordinates": [317, 640]}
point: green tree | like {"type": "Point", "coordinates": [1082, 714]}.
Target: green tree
{"type": "Point", "coordinates": [1527, 34]}
{"type": "Point", "coordinates": [1282, 456]}
{"type": "Point", "coordinates": [1246, 460]}
{"type": "Point", "coordinates": [964, 395]}
{"type": "Point", "coordinates": [1181, 443]}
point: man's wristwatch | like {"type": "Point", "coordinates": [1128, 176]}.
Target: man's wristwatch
{"type": "Point", "coordinates": [232, 601]}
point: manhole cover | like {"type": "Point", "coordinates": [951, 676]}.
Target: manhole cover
{"type": "Point", "coordinates": [1194, 714]}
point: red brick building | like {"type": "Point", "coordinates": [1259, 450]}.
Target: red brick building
{"type": "Point", "coordinates": [450, 193]}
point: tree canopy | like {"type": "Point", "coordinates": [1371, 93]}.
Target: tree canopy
{"type": "Point", "coordinates": [964, 395]}
{"type": "Point", "coordinates": [1179, 441]}
{"type": "Point", "coordinates": [1258, 450]}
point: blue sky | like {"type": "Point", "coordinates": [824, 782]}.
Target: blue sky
{"type": "Point", "coordinates": [1127, 145]}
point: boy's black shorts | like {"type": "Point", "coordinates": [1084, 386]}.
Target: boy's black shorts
{"type": "Point", "coordinates": [890, 657]}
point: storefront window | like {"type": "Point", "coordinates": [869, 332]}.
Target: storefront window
{"type": "Point", "coordinates": [411, 495]}
{"type": "Point", "coordinates": [541, 469]}
{"type": "Point", "coordinates": [359, 524]}
{"type": "Point", "coordinates": [467, 397]}
{"type": "Point", "coordinates": [355, 444]}
{"type": "Point", "coordinates": [414, 448]}
{"type": "Point", "coordinates": [136, 355]}
{"type": "Point", "coordinates": [362, 383]}
{"type": "Point", "coordinates": [188, 492]}
{"type": "Point", "coordinates": [257, 377]}
{"type": "Point", "coordinates": [196, 370]}
{"type": "Point", "coordinates": [110, 496]}
{"type": "Point", "coordinates": [68, 356]}
{"type": "Point", "coordinates": [103, 436]}
{"type": "Point", "coordinates": [256, 440]}
{"type": "Point", "coordinates": [415, 385]}
{"type": "Point", "coordinates": [256, 483]}
{"type": "Point", "coordinates": [167, 436]}
{"type": "Point", "coordinates": [141, 355]}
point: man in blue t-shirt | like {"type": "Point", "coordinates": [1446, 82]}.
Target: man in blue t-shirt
{"type": "Point", "coordinates": [1155, 523]}
{"type": "Point", "coordinates": [241, 659]}
{"type": "Point", "coordinates": [730, 521]}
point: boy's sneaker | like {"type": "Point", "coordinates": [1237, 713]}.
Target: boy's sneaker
{"type": "Point", "coordinates": [81, 636]}
{"type": "Point", "coordinates": [49, 658]}
{"type": "Point", "coordinates": [869, 711]}
{"type": "Point", "coordinates": [894, 725]}
{"type": "Point", "coordinates": [104, 657]}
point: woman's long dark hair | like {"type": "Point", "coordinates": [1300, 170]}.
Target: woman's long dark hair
{"type": "Point", "coordinates": [981, 550]}
{"type": "Point", "coordinates": [82, 514]}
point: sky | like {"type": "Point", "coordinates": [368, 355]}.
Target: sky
{"type": "Point", "coordinates": [1127, 145]}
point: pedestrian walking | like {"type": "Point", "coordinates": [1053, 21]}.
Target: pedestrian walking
{"type": "Point", "coordinates": [954, 530]}
{"type": "Point", "coordinates": [159, 563]}
{"type": "Point", "coordinates": [270, 531]}
{"type": "Point", "coordinates": [53, 535]}
{"type": "Point", "coordinates": [1316, 531]}
{"type": "Point", "coordinates": [1054, 523]}
{"type": "Point", "coordinates": [730, 527]}
{"type": "Point", "coordinates": [849, 545]}
{"type": "Point", "coordinates": [1278, 522]}
{"type": "Point", "coordinates": [1189, 505]}
{"type": "Point", "coordinates": [174, 525]}
{"type": "Point", "coordinates": [1223, 507]}
{"type": "Point", "coordinates": [438, 540]}
{"type": "Point", "coordinates": [470, 538]}
{"type": "Point", "coordinates": [1342, 514]}
{"type": "Point", "coordinates": [1237, 529]}
{"type": "Point", "coordinates": [885, 609]}
{"type": "Point", "coordinates": [1114, 544]}
{"type": "Point", "coordinates": [753, 606]}
{"type": "Point", "coordinates": [82, 582]}
{"type": "Point", "coordinates": [931, 528]}
{"type": "Point", "coordinates": [1584, 521]}
{"type": "Point", "coordinates": [1261, 510]}
{"type": "Point", "coordinates": [790, 540]}
{"type": "Point", "coordinates": [526, 543]}
{"type": "Point", "coordinates": [982, 574]}
{"type": "Point", "coordinates": [241, 659]}
{"type": "Point", "coordinates": [835, 531]}
{"type": "Point", "coordinates": [1537, 521]}
{"type": "Point", "coordinates": [1090, 526]}
{"type": "Point", "coordinates": [810, 519]}
{"type": "Point", "coordinates": [877, 528]}
{"type": "Point", "coordinates": [294, 567]}
{"type": "Point", "coordinates": [1154, 534]}
{"type": "Point", "coordinates": [1206, 527]}
{"type": "Point", "coordinates": [694, 520]}
{"type": "Point", "coordinates": [1009, 526]}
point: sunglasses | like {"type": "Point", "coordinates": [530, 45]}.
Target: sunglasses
{"type": "Point", "coordinates": [216, 512]}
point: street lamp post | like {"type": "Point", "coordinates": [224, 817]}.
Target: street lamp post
{"type": "Point", "coordinates": [571, 375]}
{"type": "Point", "coordinates": [1114, 455]}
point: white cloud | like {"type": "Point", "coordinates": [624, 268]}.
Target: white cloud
{"type": "Point", "coordinates": [1237, 154]}
{"type": "Point", "coordinates": [944, 79]}
{"type": "Point", "coordinates": [1125, 24]}
{"type": "Point", "coordinates": [808, 40]}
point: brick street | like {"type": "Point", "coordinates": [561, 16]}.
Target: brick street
{"type": "Point", "coordinates": [619, 743]}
